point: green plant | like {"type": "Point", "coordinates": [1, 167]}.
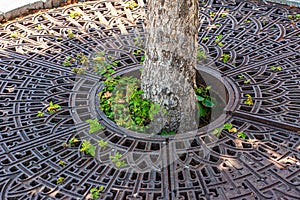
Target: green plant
{"type": "Point", "coordinates": [72, 141]}
{"type": "Point", "coordinates": [39, 27]}
{"type": "Point", "coordinates": [94, 125]}
{"type": "Point", "coordinates": [70, 34]}
{"type": "Point", "coordinates": [68, 61]}
{"type": "Point", "coordinates": [131, 5]}
{"type": "Point", "coordinates": [60, 180]}
{"type": "Point", "coordinates": [116, 159]}
{"type": "Point", "coordinates": [201, 54]}
{"type": "Point", "coordinates": [61, 163]}
{"type": "Point", "coordinates": [82, 59]}
{"type": "Point", "coordinates": [212, 14]}
{"type": "Point", "coordinates": [217, 132]}
{"type": "Point", "coordinates": [276, 68]}
{"type": "Point", "coordinates": [223, 15]}
{"type": "Point", "coordinates": [40, 114]}
{"type": "Point", "coordinates": [52, 108]}
{"type": "Point", "coordinates": [139, 52]}
{"type": "Point", "coordinates": [240, 76]}
{"type": "Point", "coordinates": [78, 70]}
{"type": "Point", "coordinates": [164, 132]}
{"type": "Point", "coordinates": [225, 57]}
{"type": "Point", "coordinates": [88, 148]}
{"type": "Point", "coordinates": [59, 39]}
{"type": "Point", "coordinates": [205, 39]}
{"type": "Point", "coordinates": [241, 135]}
{"type": "Point", "coordinates": [205, 102]}
{"type": "Point", "coordinates": [101, 65]}
{"type": "Point", "coordinates": [217, 40]}
{"type": "Point", "coordinates": [139, 42]}
{"type": "Point", "coordinates": [247, 81]}
{"type": "Point", "coordinates": [96, 191]}
{"type": "Point", "coordinates": [74, 14]}
{"type": "Point", "coordinates": [290, 16]}
{"type": "Point", "coordinates": [228, 126]}
{"type": "Point", "coordinates": [297, 16]}
{"type": "Point", "coordinates": [247, 21]}
{"type": "Point", "coordinates": [249, 100]}
{"type": "Point", "coordinates": [102, 143]}
{"type": "Point", "coordinates": [15, 34]}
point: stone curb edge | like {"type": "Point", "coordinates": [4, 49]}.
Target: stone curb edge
{"type": "Point", "coordinates": [35, 7]}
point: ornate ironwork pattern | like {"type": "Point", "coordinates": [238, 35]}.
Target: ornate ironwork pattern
{"type": "Point", "coordinates": [262, 42]}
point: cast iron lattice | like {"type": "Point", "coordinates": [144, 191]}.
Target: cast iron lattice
{"type": "Point", "coordinates": [265, 166]}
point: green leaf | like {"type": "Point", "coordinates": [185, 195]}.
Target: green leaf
{"type": "Point", "coordinates": [217, 131]}
{"type": "Point", "coordinates": [199, 98]}
{"type": "Point", "coordinates": [227, 126]}
{"type": "Point", "coordinates": [241, 135]}
{"type": "Point", "coordinates": [208, 103]}
{"type": "Point", "coordinates": [94, 125]}
{"type": "Point", "coordinates": [202, 110]}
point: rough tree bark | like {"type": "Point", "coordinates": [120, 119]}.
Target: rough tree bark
{"type": "Point", "coordinates": [169, 74]}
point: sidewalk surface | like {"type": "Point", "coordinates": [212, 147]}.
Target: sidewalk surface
{"type": "Point", "coordinates": [9, 5]}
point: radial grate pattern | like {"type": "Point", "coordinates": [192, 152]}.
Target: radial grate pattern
{"type": "Point", "coordinates": [262, 46]}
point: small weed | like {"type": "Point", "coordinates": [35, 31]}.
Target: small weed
{"type": "Point", "coordinates": [103, 144]}
{"type": "Point", "coordinates": [228, 126]}
{"type": "Point", "coordinates": [94, 125]}
{"type": "Point", "coordinates": [52, 108]}
{"type": "Point", "coordinates": [241, 76]}
{"type": "Point", "coordinates": [40, 114]}
{"type": "Point", "coordinates": [39, 27]}
{"type": "Point", "coordinates": [139, 42]}
{"type": "Point", "coordinates": [60, 180]}
{"type": "Point", "coordinates": [78, 70]}
{"type": "Point", "coordinates": [59, 39]}
{"type": "Point", "coordinates": [61, 163]}
{"type": "Point", "coordinates": [68, 61]}
{"type": "Point", "coordinates": [82, 59]}
{"type": "Point", "coordinates": [247, 21]}
{"type": "Point", "coordinates": [88, 148]}
{"type": "Point", "coordinates": [249, 100]}
{"type": "Point", "coordinates": [276, 68]}
{"type": "Point", "coordinates": [205, 102]}
{"type": "Point", "coordinates": [223, 15]}
{"type": "Point", "coordinates": [131, 5]}
{"type": "Point", "coordinates": [241, 135]}
{"type": "Point", "coordinates": [290, 16]}
{"type": "Point", "coordinates": [101, 66]}
{"type": "Point", "coordinates": [15, 34]}
{"type": "Point", "coordinates": [201, 55]}
{"type": "Point", "coordinates": [247, 81]}
{"type": "Point", "coordinates": [116, 159]}
{"type": "Point", "coordinates": [205, 39]}
{"type": "Point", "coordinates": [96, 192]}
{"type": "Point", "coordinates": [164, 132]}
{"type": "Point", "coordinates": [225, 57]}
{"type": "Point", "coordinates": [72, 141]}
{"type": "Point", "coordinates": [217, 40]}
{"type": "Point", "coordinates": [137, 52]}
{"type": "Point", "coordinates": [212, 14]}
{"type": "Point", "coordinates": [70, 34]}
{"type": "Point", "coordinates": [74, 14]}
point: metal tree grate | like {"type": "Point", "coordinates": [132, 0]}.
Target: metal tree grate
{"type": "Point", "coordinates": [257, 37]}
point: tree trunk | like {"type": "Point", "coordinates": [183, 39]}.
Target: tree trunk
{"type": "Point", "coordinates": [169, 74]}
